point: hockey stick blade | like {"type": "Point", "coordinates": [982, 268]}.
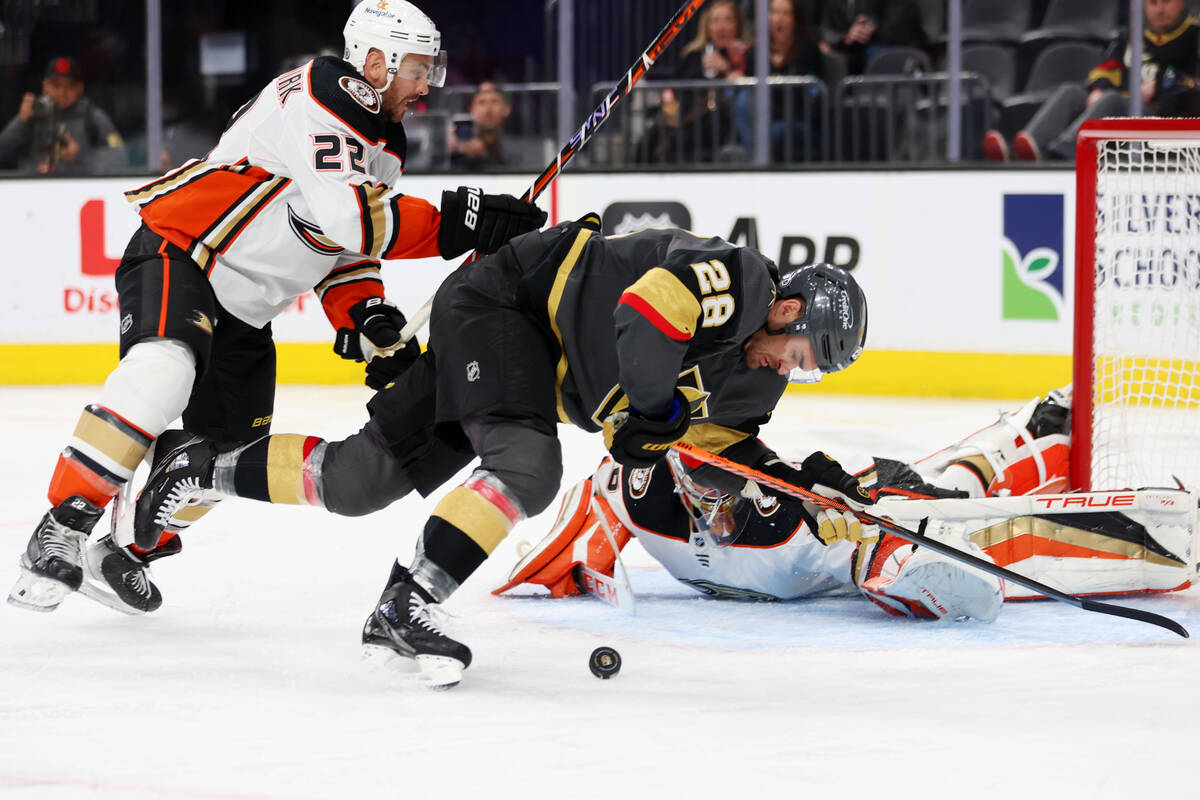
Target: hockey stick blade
{"type": "Point", "coordinates": [591, 123]}
{"type": "Point", "coordinates": [605, 589]}
{"type": "Point", "coordinates": [919, 538]}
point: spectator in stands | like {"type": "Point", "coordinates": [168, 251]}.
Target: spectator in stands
{"type": "Point", "coordinates": [793, 51]}
{"type": "Point", "coordinates": [1170, 57]}
{"type": "Point", "coordinates": [481, 143]}
{"type": "Point", "coordinates": [62, 132]}
{"type": "Point", "coordinates": [700, 122]}
{"type": "Point", "coordinates": [859, 29]}
{"type": "Point", "coordinates": [720, 47]}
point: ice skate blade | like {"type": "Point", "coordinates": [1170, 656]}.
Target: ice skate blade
{"type": "Point", "coordinates": [95, 588]}
{"type": "Point", "coordinates": [440, 672]}
{"type": "Point", "coordinates": [35, 592]}
{"type": "Point", "coordinates": [433, 672]}
{"type": "Point", "coordinates": [106, 598]}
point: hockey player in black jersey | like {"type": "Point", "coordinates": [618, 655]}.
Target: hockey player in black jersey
{"type": "Point", "coordinates": [299, 194]}
{"type": "Point", "coordinates": [648, 338]}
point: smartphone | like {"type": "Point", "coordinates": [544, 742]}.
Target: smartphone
{"type": "Point", "coordinates": [464, 128]}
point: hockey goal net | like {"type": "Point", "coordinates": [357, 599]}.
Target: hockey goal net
{"type": "Point", "coordinates": [1136, 420]}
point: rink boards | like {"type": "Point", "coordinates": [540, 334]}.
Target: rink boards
{"type": "Point", "coordinates": [966, 272]}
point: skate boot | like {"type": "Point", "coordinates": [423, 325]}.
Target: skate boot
{"type": "Point", "coordinates": [51, 564]}
{"type": "Point", "coordinates": [405, 626]}
{"type": "Point", "coordinates": [183, 476]}
{"type": "Point", "coordinates": [120, 578]}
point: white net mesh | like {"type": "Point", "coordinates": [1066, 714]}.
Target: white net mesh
{"type": "Point", "coordinates": [1146, 390]}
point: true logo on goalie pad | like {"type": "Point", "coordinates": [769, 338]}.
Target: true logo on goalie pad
{"type": "Point", "coordinates": [1092, 500]}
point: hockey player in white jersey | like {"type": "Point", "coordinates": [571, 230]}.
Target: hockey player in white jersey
{"type": "Point", "coordinates": [724, 538]}
{"type": "Point", "coordinates": [299, 194]}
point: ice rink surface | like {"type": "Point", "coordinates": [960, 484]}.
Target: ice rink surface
{"type": "Point", "coordinates": [246, 684]}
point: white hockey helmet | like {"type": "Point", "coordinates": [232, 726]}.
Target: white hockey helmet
{"type": "Point", "coordinates": [395, 28]}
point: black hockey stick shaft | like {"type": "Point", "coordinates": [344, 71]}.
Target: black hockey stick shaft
{"type": "Point", "coordinates": [587, 130]}
{"type": "Point", "coordinates": [919, 538]}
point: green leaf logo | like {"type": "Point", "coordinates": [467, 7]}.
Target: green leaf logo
{"type": "Point", "coordinates": [1026, 295]}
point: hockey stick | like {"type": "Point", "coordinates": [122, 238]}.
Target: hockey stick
{"type": "Point", "coordinates": [618, 588]}
{"type": "Point", "coordinates": [918, 537]}
{"type": "Point", "coordinates": [587, 130]}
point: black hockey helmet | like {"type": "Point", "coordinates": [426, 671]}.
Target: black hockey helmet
{"type": "Point", "coordinates": [835, 313]}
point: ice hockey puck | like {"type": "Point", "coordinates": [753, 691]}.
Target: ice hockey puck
{"type": "Point", "coordinates": [605, 662]}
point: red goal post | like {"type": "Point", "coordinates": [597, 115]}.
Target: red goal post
{"type": "Point", "coordinates": [1136, 414]}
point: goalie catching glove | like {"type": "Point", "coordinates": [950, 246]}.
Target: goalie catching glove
{"type": "Point", "coordinates": [375, 338]}
{"type": "Point", "coordinates": [637, 442]}
{"type": "Point", "coordinates": [472, 220]}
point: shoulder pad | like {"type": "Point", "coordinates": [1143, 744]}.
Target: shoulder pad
{"type": "Point", "coordinates": [339, 88]}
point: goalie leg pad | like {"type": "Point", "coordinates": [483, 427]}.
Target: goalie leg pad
{"type": "Point", "coordinates": [577, 537]}
{"type": "Point", "coordinates": [1022, 453]}
{"type": "Point", "coordinates": [534, 565]}
{"type": "Point", "coordinates": [907, 580]}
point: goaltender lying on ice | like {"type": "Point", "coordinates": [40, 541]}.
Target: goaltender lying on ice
{"type": "Point", "coordinates": [995, 494]}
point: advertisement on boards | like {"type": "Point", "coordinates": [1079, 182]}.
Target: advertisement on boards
{"type": "Point", "coordinates": [973, 262]}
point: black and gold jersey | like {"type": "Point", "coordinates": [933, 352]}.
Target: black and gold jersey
{"type": "Point", "coordinates": [635, 316]}
{"type": "Point", "coordinates": [1177, 49]}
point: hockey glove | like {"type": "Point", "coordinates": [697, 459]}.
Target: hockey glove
{"type": "Point", "coordinates": [472, 220]}
{"type": "Point", "coordinates": [823, 475]}
{"type": "Point", "coordinates": [841, 526]}
{"type": "Point", "coordinates": [637, 442]}
{"type": "Point", "coordinates": [375, 339]}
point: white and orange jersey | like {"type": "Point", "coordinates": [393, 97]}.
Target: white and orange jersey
{"type": "Point", "coordinates": [296, 195]}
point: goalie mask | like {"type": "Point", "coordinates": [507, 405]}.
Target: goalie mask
{"type": "Point", "coordinates": [834, 319]}
{"type": "Point", "coordinates": [723, 516]}
{"type": "Point", "coordinates": [395, 28]}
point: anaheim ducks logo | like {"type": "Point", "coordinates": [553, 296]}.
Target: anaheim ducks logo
{"type": "Point", "coordinates": [201, 321]}
{"type": "Point", "coordinates": [363, 93]}
{"type": "Point", "coordinates": [767, 504]}
{"type": "Point", "coordinates": [311, 235]}
{"type": "Point", "coordinates": [639, 482]}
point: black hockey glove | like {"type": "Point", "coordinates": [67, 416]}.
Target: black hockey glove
{"type": "Point", "coordinates": [825, 476]}
{"type": "Point", "coordinates": [821, 474]}
{"type": "Point", "coordinates": [637, 442]}
{"type": "Point", "coordinates": [472, 220]}
{"type": "Point", "coordinates": [375, 339]}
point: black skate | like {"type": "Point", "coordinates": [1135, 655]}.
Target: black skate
{"type": "Point", "coordinates": [120, 579]}
{"type": "Point", "coordinates": [404, 626]}
{"type": "Point", "coordinates": [182, 476]}
{"type": "Point", "coordinates": [51, 564]}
